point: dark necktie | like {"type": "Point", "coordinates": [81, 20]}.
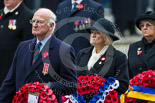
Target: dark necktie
{"type": "Point", "coordinates": [36, 52]}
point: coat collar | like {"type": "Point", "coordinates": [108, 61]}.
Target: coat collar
{"type": "Point", "coordinates": [17, 10]}
{"type": "Point", "coordinates": [140, 46]}
{"type": "Point", "coordinates": [86, 54]}
{"type": "Point", "coordinates": [84, 2]}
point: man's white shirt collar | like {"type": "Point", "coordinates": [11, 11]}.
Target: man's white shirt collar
{"type": "Point", "coordinates": [78, 1]}
{"type": "Point", "coordinates": [43, 42]}
{"type": "Point", "coordinates": [6, 10]}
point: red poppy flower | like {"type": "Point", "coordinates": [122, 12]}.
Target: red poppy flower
{"type": "Point", "coordinates": [115, 99]}
{"type": "Point", "coordinates": [108, 99]}
{"type": "Point", "coordinates": [45, 54]}
{"type": "Point", "coordinates": [146, 82]}
{"type": "Point", "coordinates": [51, 97]}
{"type": "Point", "coordinates": [80, 6]}
{"type": "Point", "coordinates": [101, 81]}
{"type": "Point", "coordinates": [80, 78]}
{"type": "Point", "coordinates": [113, 93]}
{"type": "Point", "coordinates": [43, 95]}
{"type": "Point", "coordinates": [79, 90]}
{"type": "Point", "coordinates": [49, 91]}
{"type": "Point", "coordinates": [96, 78]}
{"type": "Point", "coordinates": [139, 52]}
{"type": "Point", "coordinates": [103, 58]}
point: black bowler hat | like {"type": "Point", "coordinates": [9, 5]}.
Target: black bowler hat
{"type": "Point", "coordinates": [147, 15]}
{"type": "Point", "coordinates": [105, 26]}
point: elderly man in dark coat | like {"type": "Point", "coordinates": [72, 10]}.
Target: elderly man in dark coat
{"type": "Point", "coordinates": [30, 63]}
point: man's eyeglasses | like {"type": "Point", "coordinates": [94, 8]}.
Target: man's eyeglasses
{"type": "Point", "coordinates": [146, 25]}
{"type": "Point", "coordinates": [37, 21]}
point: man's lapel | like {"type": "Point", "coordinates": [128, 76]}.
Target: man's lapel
{"type": "Point", "coordinates": [152, 52]}
{"type": "Point", "coordinates": [40, 60]}
{"type": "Point", "coordinates": [29, 54]}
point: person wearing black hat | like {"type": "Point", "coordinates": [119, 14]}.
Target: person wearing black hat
{"type": "Point", "coordinates": [141, 54]}
{"type": "Point", "coordinates": [102, 58]}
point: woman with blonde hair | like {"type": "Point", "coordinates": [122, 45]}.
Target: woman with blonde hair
{"type": "Point", "coordinates": [102, 58]}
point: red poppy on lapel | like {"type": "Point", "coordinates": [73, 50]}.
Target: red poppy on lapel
{"type": "Point", "coordinates": [139, 51]}
{"type": "Point", "coordinates": [103, 58]}
{"type": "Point", "coordinates": [45, 54]}
{"type": "Point", "coordinates": [80, 6]}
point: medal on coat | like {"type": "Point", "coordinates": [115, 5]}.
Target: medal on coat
{"type": "Point", "coordinates": [76, 23]}
{"type": "Point", "coordinates": [12, 24]}
{"type": "Point", "coordinates": [45, 68]}
{"type": "Point", "coordinates": [80, 25]}
{"type": "Point", "coordinates": [83, 24]}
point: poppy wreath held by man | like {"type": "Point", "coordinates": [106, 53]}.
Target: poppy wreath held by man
{"type": "Point", "coordinates": [142, 86]}
{"type": "Point", "coordinates": [41, 92]}
{"type": "Point", "coordinates": [94, 89]}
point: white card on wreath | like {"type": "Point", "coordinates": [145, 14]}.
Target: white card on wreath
{"type": "Point", "coordinates": [32, 98]}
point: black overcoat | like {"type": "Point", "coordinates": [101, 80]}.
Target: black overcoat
{"type": "Point", "coordinates": [118, 68]}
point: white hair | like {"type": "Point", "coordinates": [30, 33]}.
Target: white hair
{"type": "Point", "coordinates": [52, 19]}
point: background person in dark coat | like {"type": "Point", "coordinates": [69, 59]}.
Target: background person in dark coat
{"type": "Point", "coordinates": [51, 4]}
{"type": "Point", "coordinates": [60, 60]}
{"type": "Point", "coordinates": [141, 54]}
{"type": "Point", "coordinates": [92, 60]}
{"type": "Point", "coordinates": [72, 21]}
{"type": "Point", "coordinates": [14, 28]}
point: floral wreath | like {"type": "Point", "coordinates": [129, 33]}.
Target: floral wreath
{"type": "Point", "coordinates": [103, 90]}
{"type": "Point", "coordinates": [141, 84]}
{"type": "Point", "coordinates": [45, 93]}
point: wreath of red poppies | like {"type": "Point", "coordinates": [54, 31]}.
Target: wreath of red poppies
{"type": "Point", "coordinates": [144, 79]}
{"type": "Point", "coordinates": [45, 93]}
{"type": "Point", "coordinates": [94, 85]}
